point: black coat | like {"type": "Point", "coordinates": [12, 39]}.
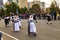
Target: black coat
{"type": "Point", "coordinates": [49, 18]}
{"type": "Point", "coordinates": [34, 17]}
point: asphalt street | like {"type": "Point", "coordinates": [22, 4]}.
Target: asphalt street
{"type": "Point", "coordinates": [44, 31]}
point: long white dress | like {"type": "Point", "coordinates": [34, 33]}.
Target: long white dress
{"type": "Point", "coordinates": [16, 24]}
{"type": "Point", "coordinates": [32, 26]}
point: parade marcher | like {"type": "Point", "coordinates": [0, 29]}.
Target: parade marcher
{"type": "Point", "coordinates": [6, 18]}
{"type": "Point", "coordinates": [49, 19]}
{"type": "Point", "coordinates": [16, 23]}
{"type": "Point", "coordinates": [31, 26]}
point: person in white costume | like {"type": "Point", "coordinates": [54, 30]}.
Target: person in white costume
{"type": "Point", "coordinates": [16, 23]}
{"type": "Point", "coordinates": [32, 26]}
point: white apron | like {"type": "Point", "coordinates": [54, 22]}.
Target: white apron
{"type": "Point", "coordinates": [32, 27]}
{"type": "Point", "coordinates": [16, 26]}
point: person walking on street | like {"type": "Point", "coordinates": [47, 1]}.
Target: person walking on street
{"type": "Point", "coordinates": [31, 26]}
{"type": "Point", "coordinates": [49, 19]}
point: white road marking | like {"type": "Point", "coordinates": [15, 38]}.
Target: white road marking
{"type": "Point", "coordinates": [9, 35]}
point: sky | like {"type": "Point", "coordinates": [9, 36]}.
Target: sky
{"type": "Point", "coordinates": [4, 1]}
{"type": "Point", "coordinates": [47, 2]}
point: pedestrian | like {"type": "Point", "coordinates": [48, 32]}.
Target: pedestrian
{"type": "Point", "coordinates": [34, 17]}
{"type": "Point", "coordinates": [6, 18]}
{"type": "Point", "coordinates": [31, 26]}
{"type": "Point", "coordinates": [16, 23]}
{"type": "Point", "coordinates": [49, 19]}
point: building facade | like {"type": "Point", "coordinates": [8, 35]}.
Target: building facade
{"type": "Point", "coordinates": [25, 3]}
{"type": "Point", "coordinates": [16, 1]}
{"type": "Point", "coordinates": [42, 4]}
{"type": "Point", "coordinates": [36, 0]}
{"type": "Point", "coordinates": [32, 3]}
{"type": "Point", "coordinates": [1, 4]}
{"type": "Point", "coordinates": [21, 3]}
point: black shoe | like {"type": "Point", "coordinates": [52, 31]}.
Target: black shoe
{"type": "Point", "coordinates": [34, 34]}
{"type": "Point", "coordinates": [28, 33]}
{"type": "Point", "coordinates": [50, 23]}
{"type": "Point", "coordinates": [19, 27]}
